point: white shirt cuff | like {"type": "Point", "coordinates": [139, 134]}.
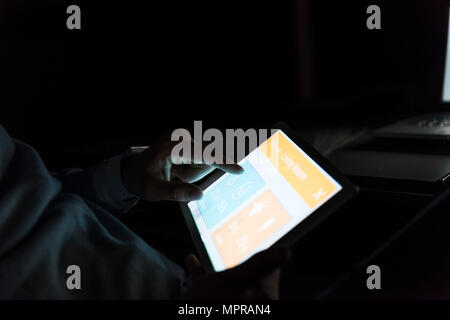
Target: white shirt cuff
{"type": "Point", "coordinates": [109, 186]}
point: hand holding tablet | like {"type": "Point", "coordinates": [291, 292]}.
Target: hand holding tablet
{"type": "Point", "coordinates": [285, 190]}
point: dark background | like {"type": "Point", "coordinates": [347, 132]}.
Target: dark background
{"type": "Point", "coordinates": [135, 69]}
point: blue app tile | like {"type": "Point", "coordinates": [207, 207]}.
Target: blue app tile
{"type": "Point", "coordinates": [219, 201]}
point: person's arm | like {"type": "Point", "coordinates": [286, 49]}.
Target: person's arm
{"type": "Point", "coordinates": [102, 184]}
{"type": "Point", "coordinates": [44, 231]}
{"type": "Point", "coordinates": [152, 174]}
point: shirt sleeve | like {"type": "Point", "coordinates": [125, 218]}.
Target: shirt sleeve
{"type": "Point", "coordinates": [109, 188]}
{"type": "Point", "coordinates": [102, 184]}
{"type": "Point", "coordinates": [44, 230]}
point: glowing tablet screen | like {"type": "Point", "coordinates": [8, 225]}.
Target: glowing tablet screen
{"type": "Point", "coordinates": [240, 215]}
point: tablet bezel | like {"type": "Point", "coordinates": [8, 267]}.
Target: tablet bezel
{"type": "Point", "coordinates": [301, 229]}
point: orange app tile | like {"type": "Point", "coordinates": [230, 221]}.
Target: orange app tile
{"type": "Point", "coordinates": [248, 229]}
{"type": "Point", "coordinates": [307, 180]}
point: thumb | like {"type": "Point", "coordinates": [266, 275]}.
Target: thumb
{"type": "Point", "coordinates": [177, 191]}
{"type": "Point", "coordinates": [258, 266]}
{"type": "Point", "coordinates": [194, 267]}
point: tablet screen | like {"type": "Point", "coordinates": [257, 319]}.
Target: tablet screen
{"type": "Point", "coordinates": [240, 215]}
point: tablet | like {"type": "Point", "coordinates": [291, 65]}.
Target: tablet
{"type": "Point", "coordinates": [286, 189]}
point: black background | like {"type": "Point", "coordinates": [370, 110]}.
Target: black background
{"type": "Point", "coordinates": [137, 69]}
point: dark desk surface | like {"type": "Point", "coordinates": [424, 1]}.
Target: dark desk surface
{"type": "Point", "coordinates": [396, 165]}
{"type": "Point", "coordinates": [413, 166]}
{"type": "Point", "coordinates": [397, 180]}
